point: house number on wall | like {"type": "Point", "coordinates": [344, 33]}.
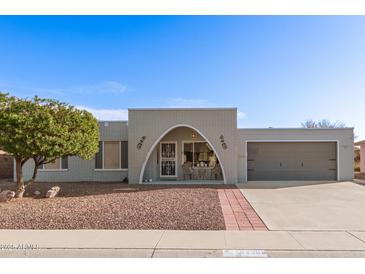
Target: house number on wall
{"type": "Point", "coordinates": [139, 145]}
{"type": "Point", "coordinates": [224, 145]}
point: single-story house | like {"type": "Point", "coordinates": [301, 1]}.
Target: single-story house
{"type": "Point", "coordinates": [204, 144]}
{"type": "Point", "coordinates": [361, 144]}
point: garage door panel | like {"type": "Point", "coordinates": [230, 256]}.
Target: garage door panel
{"type": "Point", "coordinates": [292, 161]}
{"type": "Point", "coordinates": [290, 175]}
{"type": "Point", "coordinates": [277, 175]}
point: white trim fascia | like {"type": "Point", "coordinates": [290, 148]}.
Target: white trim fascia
{"type": "Point", "coordinates": [295, 141]}
{"type": "Point", "coordinates": [176, 167]}
{"type": "Point", "coordinates": [164, 134]}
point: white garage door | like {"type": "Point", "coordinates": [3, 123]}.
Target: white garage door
{"type": "Point", "coordinates": [273, 161]}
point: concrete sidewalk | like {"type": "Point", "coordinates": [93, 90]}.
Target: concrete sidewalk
{"type": "Point", "coordinates": [159, 243]}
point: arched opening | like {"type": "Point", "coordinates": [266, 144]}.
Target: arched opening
{"type": "Point", "coordinates": [182, 153]}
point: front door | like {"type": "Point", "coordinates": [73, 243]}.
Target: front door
{"type": "Point", "coordinates": [168, 159]}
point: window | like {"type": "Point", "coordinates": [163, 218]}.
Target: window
{"type": "Point", "coordinates": [58, 164]}
{"type": "Point", "coordinates": [112, 155]}
{"type": "Point", "coordinates": [199, 153]}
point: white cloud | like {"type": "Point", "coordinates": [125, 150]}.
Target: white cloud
{"type": "Point", "coordinates": [241, 115]}
{"type": "Point", "coordinates": [107, 87]}
{"type": "Point", "coordinates": [107, 114]}
{"type": "Point", "coordinates": [113, 87]}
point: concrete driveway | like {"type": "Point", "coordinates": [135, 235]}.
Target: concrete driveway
{"type": "Point", "coordinates": [308, 205]}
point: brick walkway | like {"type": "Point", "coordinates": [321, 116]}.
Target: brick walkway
{"type": "Point", "coordinates": [237, 211]}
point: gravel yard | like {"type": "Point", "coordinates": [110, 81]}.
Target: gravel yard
{"type": "Point", "coordinates": [115, 206]}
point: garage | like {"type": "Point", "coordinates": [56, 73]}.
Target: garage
{"type": "Point", "coordinates": [274, 161]}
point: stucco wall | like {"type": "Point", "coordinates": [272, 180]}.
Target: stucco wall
{"type": "Point", "coordinates": [83, 170]}
{"type": "Point", "coordinates": [153, 124]}
{"type": "Point", "coordinates": [152, 170]}
{"type": "Point", "coordinates": [159, 124]}
{"type": "Point", "coordinates": [343, 136]}
{"type": "Point", "coordinates": [113, 131]}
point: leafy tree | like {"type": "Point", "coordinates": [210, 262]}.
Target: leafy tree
{"type": "Point", "coordinates": [324, 123]}
{"type": "Point", "coordinates": [44, 130]}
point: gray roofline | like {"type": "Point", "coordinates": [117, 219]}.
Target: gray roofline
{"type": "Point", "coordinates": [222, 108]}
{"type": "Point", "coordinates": [296, 128]}
{"type": "Point", "coordinates": [359, 143]}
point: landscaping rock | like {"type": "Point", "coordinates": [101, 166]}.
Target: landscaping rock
{"type": "Point", "coordinates": [6, 196]}
{"type": "Point", "coordinates": [53, 192]}
{"type": "Point", "coordinates": [113, 205]}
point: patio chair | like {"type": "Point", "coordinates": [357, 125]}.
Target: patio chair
{"type": "Point", "coordinates": [216, 172]}
{"type": "Point", "coordinates": [202, 173]}
{"type": "Point", "coordinates": [187, 170]}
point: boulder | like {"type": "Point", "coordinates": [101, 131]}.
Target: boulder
{"type": "Point", "coordinates": [36, 193]}
{"type": "Point", "coordinates": [6, 196]}
{"type": "Point", "coordinates": [53, 192]}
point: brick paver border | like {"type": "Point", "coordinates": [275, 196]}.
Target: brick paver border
{"type": "Point", "coordinates": [237, 211]}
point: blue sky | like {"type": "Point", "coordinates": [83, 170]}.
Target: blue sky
{"type": "Point", "coordinates": [278, 71]}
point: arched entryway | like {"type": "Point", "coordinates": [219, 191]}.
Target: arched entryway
{"type": "Point", "coordinates": [182, 153]}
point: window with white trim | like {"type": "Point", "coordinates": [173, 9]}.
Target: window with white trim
{"type": "Point", "coordinates": [199, 154]}
{"type": "Point", "coordinates": [112, 155]}
{"type": "Point", "coordinates": [58, 164]}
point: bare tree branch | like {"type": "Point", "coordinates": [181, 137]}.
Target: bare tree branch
{"type": "Point", "coordinates": [324, 123]}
